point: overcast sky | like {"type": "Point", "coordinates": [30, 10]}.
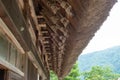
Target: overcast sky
{"type": "Point", "coordinates": [109, 33]}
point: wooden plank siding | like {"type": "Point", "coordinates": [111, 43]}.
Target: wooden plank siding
{"type": "Point", "coordinates": [12, 16]}
{"type": "Point", "coordinates": [32, 71]}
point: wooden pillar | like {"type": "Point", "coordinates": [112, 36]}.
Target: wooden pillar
{"type": "Point", "coordinates": [26, 67]}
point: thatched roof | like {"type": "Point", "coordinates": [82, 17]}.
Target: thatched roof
{"type": "Point", "coordinates": [87, 19]}
{"type": "Point", "coordinates": [59, 29]}
{"type": "Point", "coordinates": [71, 24]}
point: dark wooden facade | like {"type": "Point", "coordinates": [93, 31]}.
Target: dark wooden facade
{"type": "Point", "coordinates": [37, 36]}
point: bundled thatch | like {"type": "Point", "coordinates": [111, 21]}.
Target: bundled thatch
{"type": "Point", "coordinates": [87, 18]}
{"type": "Point", "coordinates": [70, 26]}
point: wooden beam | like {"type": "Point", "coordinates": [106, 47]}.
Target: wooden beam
{"type": "Point", "coordinates": [33, 14]}
{"type": "Point", "coordinates": [68, 8]}
{"type": "Point", "coordinates": [50, 6]}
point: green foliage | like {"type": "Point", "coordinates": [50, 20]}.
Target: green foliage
{"type": "Point", "coordinates": [109, 57]}
{"type": "Point", "coordinates": [73, 75]}
{"type": "Point", "coordinates": [100, 73]}
{"type": "Point", "coordinates": [53, 76]}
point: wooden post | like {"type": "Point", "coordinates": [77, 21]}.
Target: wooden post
{"type": "Point", "coordinates": [26, 67]}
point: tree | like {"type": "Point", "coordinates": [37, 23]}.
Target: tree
{"type": "Point", "coordinates": [73, 75]}
{"type": "Point", "coordinates": [100, 73]}
{"type": "Point", "coordinates": [53, 76]}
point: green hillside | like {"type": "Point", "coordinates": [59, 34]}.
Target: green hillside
{"type": "Point", "coordinates": [108, 57]}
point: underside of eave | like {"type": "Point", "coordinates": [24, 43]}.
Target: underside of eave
{"type": "Point", "coordinates": [58, 30]}
{"type": "Point", "coordinates": [94, 14]}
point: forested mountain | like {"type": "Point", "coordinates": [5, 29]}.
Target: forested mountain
{"type": "Point", "coordinates": [108, 57]}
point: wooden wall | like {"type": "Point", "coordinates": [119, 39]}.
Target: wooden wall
{"type": "Point", "coordinates": [32, 71]}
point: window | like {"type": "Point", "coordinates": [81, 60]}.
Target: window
{"type": "Point", "coordinates": [9, 53]}
{"type": "Point", "coordinates": [3, 47]}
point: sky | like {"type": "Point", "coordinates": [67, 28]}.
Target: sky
{"type": "Point", "coordinates": [109, 33]}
